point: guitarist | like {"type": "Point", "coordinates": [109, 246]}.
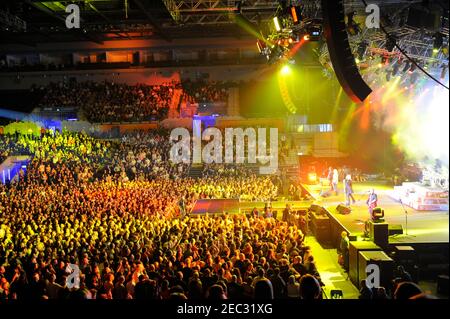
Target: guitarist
{"type": "Point", "coordinates": [372, 202]}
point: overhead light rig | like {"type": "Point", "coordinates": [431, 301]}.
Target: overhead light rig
{"type": "Point", "coordinates": [288, 27]}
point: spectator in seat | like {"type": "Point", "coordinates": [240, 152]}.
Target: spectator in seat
{"type": "Point", "coordinates": [293, 288]}
{"type": "Point", "coordinates": [279, 285]}
{"type": "Point", "coordinates": [365, 292]}
{"type": "Point", "coordinates": [263, 290]}
{"type": "Point", "coordinates": [215, 292]}
{"type": "Point", "coordinates": [406, 290]}
{"type": "Point", "coordinates": [402, 275]}
{"type": "Point", "coordinates": [309, 288]}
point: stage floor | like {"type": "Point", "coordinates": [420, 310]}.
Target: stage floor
{"type": "Point", "coordinates": [423, 226]}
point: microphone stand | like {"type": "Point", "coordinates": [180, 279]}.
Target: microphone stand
{"type": "Point", "coordinates": [406, 217]}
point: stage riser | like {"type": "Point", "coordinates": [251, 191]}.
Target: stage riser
{"type": "Point", "coordinates": [420, 197]}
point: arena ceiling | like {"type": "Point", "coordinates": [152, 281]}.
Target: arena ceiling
{"type": "Point", "coordinates": [37, 21]}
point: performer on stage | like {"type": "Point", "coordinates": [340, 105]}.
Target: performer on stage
{"type": "Point", "coordinates": [372, 202]}
{"type": "Point", "coordinates": [330, 177]}
{"type": "Point", "coordinates": [348, 189]}
{"type": "Point", "coordinates": [335, 181]}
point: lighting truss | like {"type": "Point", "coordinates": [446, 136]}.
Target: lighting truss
{"type": "Point", "coordinates": [417, 43]}
{"type": "Point", "coordinates": [218, 11]}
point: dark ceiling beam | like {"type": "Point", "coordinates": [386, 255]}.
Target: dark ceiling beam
{"type": "Point", "coordinates": [43, 8]}
{"type": "Point", "coordinates": [152, 20]}
{"type": "Point", "coordinates": [14, 39]}
{"type": "Point", "coordinates": [104, 17]}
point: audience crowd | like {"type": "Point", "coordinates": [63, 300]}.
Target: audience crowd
{"type": "Point", "coordinates": [119, 102]}
{"type": "Point", "coordinates": [112, 209]}
{"type": "Point", "coordinates": [107, 212]}
{"type": "Point", "coordinates": [109, 101]}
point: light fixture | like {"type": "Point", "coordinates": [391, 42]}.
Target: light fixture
{"type": "Point", "coordinates": [315, 32]}
{"type": "Point", "coordinates": [391, 43]}
{"type": "Point", "coordinates": [396, 68]}
{"type": "Point", "coordinates": [276, 23]}
{"type": "Point", "coordinates": [443, 71]}
{"type": "Point", "coordinates": [407, 67]}
{"type": "Point", "coordinates": [285, 70]}
{"type": "Point", "coordinates": [362, 48]}
{"type": "Point", "coordinates": [296, 14]}
{"type": "Point", "coordinates": [438, 42]}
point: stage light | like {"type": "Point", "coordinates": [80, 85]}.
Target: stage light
{"type": "Point", "coordinates": [357, 61]}
{"type": "Point", "coordinates": [378, 215]}
{"type": "Point", "coordinates": [290, 40]}
{"type": "Point", "coordinates": [276, 23]}
{"type": "Point", "coordinates": [296, 14]}
{"type": "Point", "coordinates": [352, 27]}
{"type": "Point", "coordinates": [390, 44]}
{"type": "Point", "coordinates": [438, 42]}
{"type": "Point", "coordinates": [413, 78]}
{"type": "Point", "coordinates": [443, 71]}
{"type": "Point", "coordinates": [362, 48]}
{"type": "Point", "coordinates": [315, 32]}
{"type": "Point", "coordinates": [407, 67]}
{"type": "Point", "coordinates": [412, 68]}
{"type": "Point", "coordinates": [396, 68]}
{"type": "Point", "coordinates": [312, 177]}
{"type": "Point", "coordinates": [261, 46]}
{"type": "Point", "coordinates": [285, 70]}
{"type": "Point", "coordinates": [306, 37]}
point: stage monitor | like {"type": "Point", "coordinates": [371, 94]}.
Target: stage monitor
{"type": "Point", "coordinates": [378, 215]}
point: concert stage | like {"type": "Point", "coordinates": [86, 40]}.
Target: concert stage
{"type": "Point", "coordinates": [423, 226]}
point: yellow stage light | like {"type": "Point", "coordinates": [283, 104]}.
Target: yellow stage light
{"type": "Point", "coordinates": [285, 70]}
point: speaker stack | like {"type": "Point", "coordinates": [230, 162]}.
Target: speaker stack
{"type": "Point", "coordinates": [321, 228]}
{"type": "Point", "coordinates": [353, 251]}
{"type": "Point", "coordinates": [340, 52]}
{"type": "Point", "coordinates": [379, 233]}
{"type": "Point", "coordinates": [384, 262]}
